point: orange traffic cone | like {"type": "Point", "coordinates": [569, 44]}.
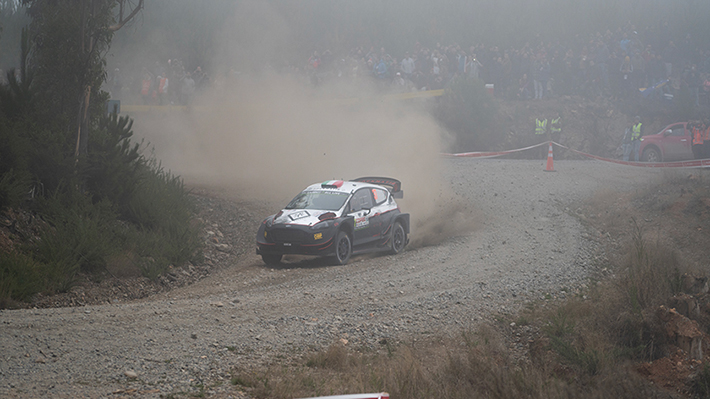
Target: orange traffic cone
{"type": "Point", "coordinates": [549, 167]}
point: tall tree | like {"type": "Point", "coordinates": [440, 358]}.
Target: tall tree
{"type": "Point", "coordinates": [71, 38]}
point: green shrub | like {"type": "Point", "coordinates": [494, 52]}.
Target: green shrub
{"type": "Point", "coordinates": [700, 383]}
{"type": "Point", "coordinates": [14, 187]}
{"type": "Point", "coordinates": [20, 278]}
{"type": "Point", "coordinates": [113, 164]}
{"type": "Point", "coordinates": [161, 205]}
{"type": "Point", "coordinates": [81, 237]}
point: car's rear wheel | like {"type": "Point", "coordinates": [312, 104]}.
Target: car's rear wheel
{"type": "Point", "coordinates": [399, 238]}
{"type": "Point", "coordinates": [651, 154]}
{"type": "Point", "coordinates": [271, 259]}
{"type": "Point", "coordinates": [343, 248]}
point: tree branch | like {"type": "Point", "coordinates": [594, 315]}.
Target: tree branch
{"type": "Point", "coordinates": [121, 21]}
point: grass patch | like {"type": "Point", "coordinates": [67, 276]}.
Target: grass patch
{"type": "Point", "coordinates": [20, 278]}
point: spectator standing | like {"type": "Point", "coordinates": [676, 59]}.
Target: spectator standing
{"type": "Point", "coordinates": [698, 136]}
{"type": "Point", "coordinates": [692, 79]}
{"type": "Point", "coordinates": [474, 67]}
{"type": "Point", "coordinates": [544, 76]}
{"type": "Point", "coordinates": [524, 88]}
{"type": "Point", "coordinates": [626, 70]}
{"type": "Point", "coordinates": [657, 69]}
{"type": "Point", "coordinates": [146, 85]}
{"type": "Point", "coordinates": [116, 84]}
{"type": "Point", "coordinates": [556, 127]}
{"type": "Point", "coordinates": [407, 66]}
{"type": "Point", "coordinates": [541, 136]}
{"type": "Point", "coordinates": [188, 90]}
{"type": "Point", "coordinates": [461, 63]}
{"type": "Point", "coordinates": [636, 134]}
{"type": "Point", "coordinates": [670, 55]}
{"type": "Point", "coordinates": [639, 65]}
{"type": "Point", "coordinates": [535, 74]}
{"type": "Point", "coordinates": [602, 61]}
{"type": "Point", "coordinates": [162, 89]}
{"type": "Point", "coordinates": [626, 143]}
{"type": "Point", "coordinates": [381, 69]}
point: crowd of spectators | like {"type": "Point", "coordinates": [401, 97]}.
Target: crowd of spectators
{"type": "Point", "coordinates": [615, 64]}
{"type": "Point", "coordinates": [163, 84]}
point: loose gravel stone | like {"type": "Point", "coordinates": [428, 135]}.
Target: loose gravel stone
{"type": "Point", "coordinates": [527, 243]}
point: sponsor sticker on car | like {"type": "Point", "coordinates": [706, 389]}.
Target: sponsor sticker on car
{"type": "Point", "coordinates": [361, 222]}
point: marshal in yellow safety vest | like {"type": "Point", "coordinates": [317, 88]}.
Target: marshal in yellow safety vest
{"type": "Point", "coordinates": [540, 126]}
{"type": "Point", "coordinates": [636, 132]}
{"type": "Point", "coordinates": [555, 126]}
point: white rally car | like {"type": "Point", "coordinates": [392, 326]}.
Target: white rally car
{"type": "Point", "coordinates": [337, 218]}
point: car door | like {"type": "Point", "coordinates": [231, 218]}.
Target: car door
{"type": "Point", "coordinates": [677, 145]}
{"type": "Point", "coordinates": [361, 209]}
{"type": "Point", "coordinates": [379, 216]}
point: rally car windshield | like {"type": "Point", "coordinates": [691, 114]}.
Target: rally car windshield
{"type": "Point", "coordinates": [322, 200]}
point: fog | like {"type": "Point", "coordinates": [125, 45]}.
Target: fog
{"type": "Point", "coordinates": [264, 137]}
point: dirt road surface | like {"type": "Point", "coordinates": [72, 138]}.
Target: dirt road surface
{"type": "Point", "coordinates": [526, 243]}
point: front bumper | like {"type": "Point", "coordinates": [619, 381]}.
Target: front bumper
{"type": "Point", "coordinates": [295, 239]}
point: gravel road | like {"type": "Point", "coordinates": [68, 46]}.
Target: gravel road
{"type": "Point", "coordinates": [528, 243]}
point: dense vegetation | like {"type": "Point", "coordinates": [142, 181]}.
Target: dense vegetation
{"type": "Point", "coordinates": [106, 202]}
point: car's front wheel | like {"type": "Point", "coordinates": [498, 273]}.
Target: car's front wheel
{"type": "Point", "coordinates": [651, 155]}
{"type": "Point", "coordinates": [271, 259]}
{"type": "Point", "coordinates": [399, 238]}
{"type": "Point", "coordinates": [343, 248]}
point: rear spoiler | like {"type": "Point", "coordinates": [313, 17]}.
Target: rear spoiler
{"type": "Point", "coordinates": [393, 185]}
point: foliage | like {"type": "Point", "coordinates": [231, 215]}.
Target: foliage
{"type": "Point", "coordinates": [112, 201]}
{"type": "Point", "coordinates": [81, 237]}
{"type": "Point", "coordinates": [20, 277]}
{"type": "Point", "coordinates": [113, 163]}
{"type": "Point", "coordinates": [63, 62]}
{"type": "Point", "coordinates": [14, 187]}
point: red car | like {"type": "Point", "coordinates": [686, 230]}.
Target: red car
{"type": "Point", "coordinates": [673, 143]}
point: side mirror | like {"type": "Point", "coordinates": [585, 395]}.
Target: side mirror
{"type": "Point", "coordinates": [667, 133]}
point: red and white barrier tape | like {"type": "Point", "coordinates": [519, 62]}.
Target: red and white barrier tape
{"type": "Point", "coordinates": [493, 154]}
{"type": "Point", "coordinates": [697, 163]}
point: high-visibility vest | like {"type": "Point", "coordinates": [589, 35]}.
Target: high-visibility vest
{"type": "Point", "coordinates": [145, 88]}
{"type": "Point", "coordinates": [636, 132]}
{"type": "Point", "coordinates": [555, 126]}
{"type": "Point", "coordinates": [697, 135]}
{"type": "Point", "coordinates": [540, 126]}
{"type": "Point", "coordinates": [163, 86]}
{"type": "Point", "coordinates": [706, 136]}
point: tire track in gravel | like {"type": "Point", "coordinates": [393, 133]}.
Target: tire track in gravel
{"type": "Point", "coordinates": [526, 243]}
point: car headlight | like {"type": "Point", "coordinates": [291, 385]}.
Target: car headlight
{"type": "Point", "coordinates": [322, 225]}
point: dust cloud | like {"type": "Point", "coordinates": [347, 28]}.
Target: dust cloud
{"type": "Point", "coordinates": [264, 137]}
